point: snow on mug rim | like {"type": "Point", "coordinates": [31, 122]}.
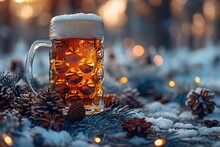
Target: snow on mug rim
{"type": "Point", "coordinates": [78, 25]}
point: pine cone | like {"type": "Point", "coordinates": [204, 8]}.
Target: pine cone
{"type": "Point", "coordinates": [10, 113]}
{"type": "Point", "coordinates": [23, 104]}
{"type": "Point", "coordinates": [47, 103]}
{"type": "Point", "coordinates": [138, 127]}
{"type": "Point", "coordinates": [199, 102]}
{"type": "Point", "coordinates": [111, 99]}
{"type": "Point", "coordinates": [76, 112]}
{"type": "Point", "coordinates": [130, 97]}
{"type": "Point", "coordinates": [211, 123]}
{"type": "Point", "coordinates": [7, 96]}
{"type": "Point", "coordinates": [52, 121]}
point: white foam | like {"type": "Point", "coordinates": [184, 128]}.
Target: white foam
{"type": "Point", "coordinates": [77, 26]}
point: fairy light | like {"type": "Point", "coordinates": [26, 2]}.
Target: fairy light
{"type": "Point", "coordinates": [160, 142]}
{"type": "Point", "coordinates": [123, 80]}
{"type": "Point", "coordinates": [158, 60]}
{"type": "Point", "coordinates": [7, 139]}
{"type": "Point", "coordinates": [197, 79]}
{"type": "Point", "coordinates": [172, 83]}
{"type": "Point", "coordinates": [138, 50]}
{"type": "Point", "coordinates": [97, 140]}
{"type": "Point", "coordinates": [25, 12]}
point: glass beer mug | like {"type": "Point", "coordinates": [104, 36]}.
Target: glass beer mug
{"type": "Point", "coordinates": [76, 59]}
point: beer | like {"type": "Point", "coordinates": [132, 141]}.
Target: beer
{"type": "Point", "coordinates": [76, 69]}
{"type": "Point", "coordinates": [76, 59]}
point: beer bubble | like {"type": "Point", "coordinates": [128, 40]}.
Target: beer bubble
{"type": "Point", "coordinates": [73, 55]}
{"type": "Point", "coordinates": [99, 53]}
{"type": "Point", "coordinates": [87, 87]}
{"type": "Point", "coordinates": [98, 75]}
{"type": "Point", "coordinates": [61, 87]}
{"type": "Point", "coordinates": [99, 94]}
{"type": "Point", "coordinates": [86, 65]}
{"type": "Point", "coordinates": [74, 76]}
{"type": "Point", "coordinates": [61, 66]}
{"type": "Point", "coordinates": [73, 95]}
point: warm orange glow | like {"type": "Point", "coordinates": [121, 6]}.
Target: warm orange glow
{"type": "Point", "coordinates": [7, 139]}
{"type": "Point", "coordinates": [158, 60]}
{"type": "Point", "coordinates": [155, 3]}
{"type": "Point", "coordinates": [123, 80]}
{"type": "Point", "coordinates": [178, 5]}
{"type": "Point", "coordinates": [209, 10]}
{"type": "Point", "coordinates": [197, 80]}
{"type": "Point", "coordinates": [128, 43]}
{"type": "Point", "coordinates": [138, 50]}
{"type": "Point", "coordinates": [97, 139]}
{"type": "Point", "coordinates": [160, 142]}
{"type": "Point", "coordinates": [172, 83]}
{"type": "Point", "coordinates": [198, 26]}
{"type": "Point", "coordinates": [113, 13]}
{"type": "Point", "coordinates": [25, 12]}
{"type": "Point", "coordinates": [2, 0]}
{"type": "Point", "coordinates": [19, 1]}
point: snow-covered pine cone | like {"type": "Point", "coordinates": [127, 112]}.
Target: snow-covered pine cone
{"type": "Point", "coordinates": [47, 103]}
{"type": "Point", "coordinates": [23, 104]}
{"type": "Point", "coordinates": [7, 96]}
{"type": "Point", "coordinates": [111, 100]}
{"type": "Point", "coordinates": [129, 97]}
{"type": "Point", "coordinates": [199, 102]}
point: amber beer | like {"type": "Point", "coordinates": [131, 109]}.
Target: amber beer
{"type": "Point", "coordinates": [76, 69]}
{"type": "Point", "coordinates": [76, 59]}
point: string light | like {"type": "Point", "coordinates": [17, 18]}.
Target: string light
{"type": "Point", "coordinates": [158, 60]}
{"type": "Point", "coordinates": [172, 83]}
{"type": "Point", "coordinates": [97, 140]}
{"type": "Point", "coordinates": [160, 142]}
{"type": "Point", "coordinates": [138, 50]}
{"type": "Point", "coordinates": [123, 80]}
{"type": "Point", "coordinates": [197, 80]}
{"type": "Point", "coordinates": [7, 139]}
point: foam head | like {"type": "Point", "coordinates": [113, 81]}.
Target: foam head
{"type": "Point", "coordinates": [78, 25]}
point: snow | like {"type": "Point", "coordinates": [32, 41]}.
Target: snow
{"type": "Point", "coordinates": [182, 133]}
{"type": "Point", "coordinates": [158, 107]}
{"type": "Point", "coordinates": [77, 26]}
{"type": "Point", "coordinates": [79, 143]}
{"type": "Point", "coordinates": [183, 126]}
{"type": "Point", "coordinates": [61, 138]}
{"type": "Point", "coordinates": [212, 116]}
{"type": "Point", "coordinates": [137, 140]}
{"type": "Point", "coordinates": [186, 115]}
{"type": "Point", "coordinates": [217, 144]}
{"type": "Point", "coordinates": [161, 122]}
{"type": "Point", "coordinates": [205, 130]}
{"type": "Point", "coordinates": [169, 115]}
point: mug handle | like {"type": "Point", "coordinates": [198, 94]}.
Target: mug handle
{"type": "Point", "coordinates": [29, 61]}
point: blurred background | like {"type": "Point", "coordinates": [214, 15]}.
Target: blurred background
{"type": "Point", "coordinates": [146, 32]}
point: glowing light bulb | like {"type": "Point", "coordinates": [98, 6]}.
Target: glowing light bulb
{"type": "Point", "coordinates": [160, 142]}
{"type": "Point", "coordinates": [197, 80]}
{"type": "Point", "coordinates": [97, 139]}
{"type": "Point", "coordinates": [172, 83]}
{"type": "Point", "coordinates": [138, 50]}
{"type": "Point", "coordinates": [123, 80]}
{"type": "Point", "coordinates": [7, 139]}
{"type": "Point", "coordinates": [158, 60]}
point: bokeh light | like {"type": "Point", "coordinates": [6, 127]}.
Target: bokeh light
{"type": "Point", "coordinates": [198, 26]}
{"type": "Point", "coordinates": [25, 11]}
{"type": "Point", "coordinates": [7, 139]}
{"type": "Point", "coordinates": [158, 60]}
{"type": "Point", "coordinates": [160, 142]}
{"type": "Point", "coordinates": [172, 83]}
{"type": "Point", "coordinates": [197, 79]}
{"type": "Point", "coordinates": [113, 13]}
{"type": "Point", "coordinates": [19, 1]}
{"type": "Point", "coordinates": [209, 10]}
{"type": "Point", "coordinates": [97, 139]}
{"type": "Point", "coordinates": [2, 0]}
{"type": "Point", "coordinates": [128, 42]}
{"type": "Point", "coordinates": [138, 50]}
{"type": "Point", "coordinates": [123, 80]}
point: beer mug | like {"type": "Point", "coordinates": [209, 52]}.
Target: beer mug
{"type": "Point", "coordinates": [76, 59]}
